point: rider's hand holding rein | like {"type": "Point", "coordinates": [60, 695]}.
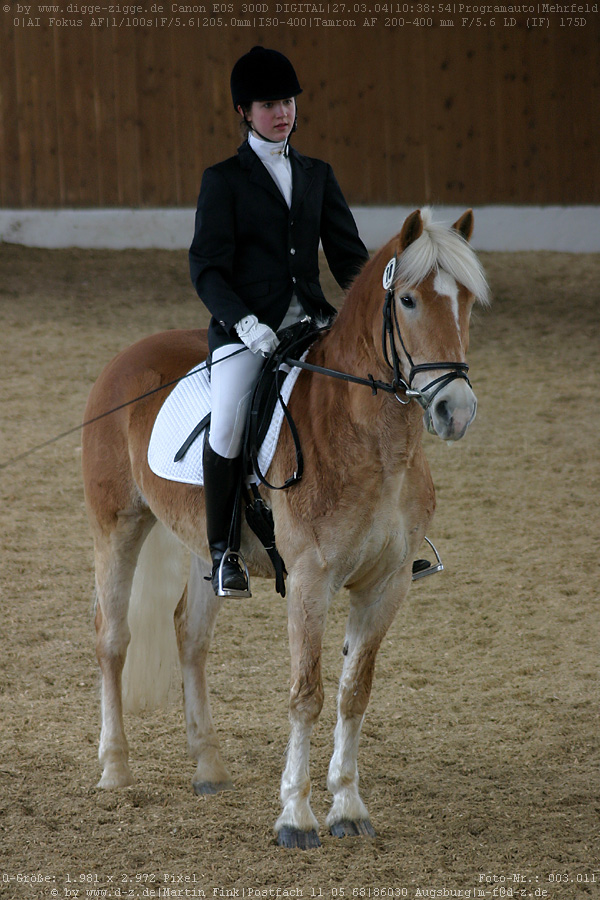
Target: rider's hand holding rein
{"type": "Point", "coordinates": [257, 337]}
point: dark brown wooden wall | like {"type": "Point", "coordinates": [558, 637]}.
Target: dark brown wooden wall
{"type": "Point", "coordinates": [130, 116]}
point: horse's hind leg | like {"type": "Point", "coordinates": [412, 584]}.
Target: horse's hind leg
{"type": "Point", "coordinates": [115, 557]}
{"type": "Point", "coordinates": [371, 614]}
{"type": "Point", "coordinates": [195, 619]}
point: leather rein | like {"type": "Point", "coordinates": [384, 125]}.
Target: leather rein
{"type": "Point", "coordinates": [389, 333]}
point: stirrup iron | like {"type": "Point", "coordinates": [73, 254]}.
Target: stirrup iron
{"type": "Point", "coordinates": [438, 566]}
{"type": "Point", "coordinates": [232, 592]}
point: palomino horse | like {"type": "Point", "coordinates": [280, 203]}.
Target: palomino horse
{"type": "Point", "coordinates": [356, 520]}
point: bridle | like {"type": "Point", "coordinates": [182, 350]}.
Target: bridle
{"type": "Point", "coordinates": [391, 331]}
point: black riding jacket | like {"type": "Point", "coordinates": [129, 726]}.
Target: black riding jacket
{"type": "Point", "coordinates": [251, 252]}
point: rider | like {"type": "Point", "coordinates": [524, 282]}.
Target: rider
{"type": "Point", "coordinates": [254, 263]}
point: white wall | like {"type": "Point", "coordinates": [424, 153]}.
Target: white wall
{"type": "Point", "coordinates": [573, 229]}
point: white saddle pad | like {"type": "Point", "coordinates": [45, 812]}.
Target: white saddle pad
{"type": "Point", "coordinates": [186, 406]}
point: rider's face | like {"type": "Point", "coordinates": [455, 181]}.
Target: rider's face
{"type": "Point", "coordinates": [273, 119]}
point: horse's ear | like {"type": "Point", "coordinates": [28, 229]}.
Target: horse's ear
{"type": "Point", "coordinates": [464, 225]}
{"type": "Point", "coordinates": [411, 230]}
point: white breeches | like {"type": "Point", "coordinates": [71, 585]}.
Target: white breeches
{"type": "Point", "coordinates": [231, 384]}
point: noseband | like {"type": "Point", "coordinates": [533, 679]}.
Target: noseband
{"type": "Point", "coordinates": [391, 331]}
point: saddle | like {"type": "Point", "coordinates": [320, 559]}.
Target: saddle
{"type": "Point", "coordinates": [293, 343]}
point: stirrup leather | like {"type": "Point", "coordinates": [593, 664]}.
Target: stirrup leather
{"type": "Point", "coordinates": [438, 566]}
{"type": "Point", "coordinates": [232, 592]}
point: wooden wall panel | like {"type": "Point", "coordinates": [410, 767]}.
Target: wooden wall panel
{"type": "Point", "coordinates": [131, 116]}
{"type": "Point", "coordinates": [43, 96]}
{"type": "Point", "coordinates": [10, 181]}
{"type": "Point", "coordinates": [155, 115]}
{"type": "Point", "coordinates": [76, 119]}
{"type": "Point", "coordinates": [129, 173]}
{"type": "Point", "coordinates": [105, 115]}
{"type": "Point", "coordinates": [36, 112]}
{"type": "Point", "coordinates": [190, 91]}
{"type": "Point", "coordinates": [577, 132]}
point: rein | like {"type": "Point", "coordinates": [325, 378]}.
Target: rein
{"type": "Point", "coordinates": [369, 382]}
{"type": "Point", "coordinates": [109, 412]}
{"type": "Point", "coordinates": [391, 329]}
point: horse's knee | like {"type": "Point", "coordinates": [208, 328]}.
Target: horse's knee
{"type": "Point", "coordinates": [354, 698]}
{"type": "Point", "coordinates": [98, 619]}
{"type": "Point", "coordinates": [306, 698]}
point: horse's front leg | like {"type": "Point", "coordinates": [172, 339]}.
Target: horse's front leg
{"type": "Point", "coordinates": [371, 613]}
{"type": "Point", "coordinates": [307, 612]}
{"type": "Point", "coordinates": [195, 619]}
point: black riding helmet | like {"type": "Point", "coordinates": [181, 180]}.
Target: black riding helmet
{"type": "Point", "coordinates": [263, 74]}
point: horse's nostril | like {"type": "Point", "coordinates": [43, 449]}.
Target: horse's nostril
{"type": "Point", "coordinates": [442, 410]}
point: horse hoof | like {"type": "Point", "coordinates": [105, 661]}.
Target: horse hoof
{"type": "Point", "coordinates": [350, 828]}
{"type": "Point", "coordinates": [293, 838]}
{"type": "Point", "coordinates": [202, 788]}
{"type": "Point", "coordinates": [115, 778]}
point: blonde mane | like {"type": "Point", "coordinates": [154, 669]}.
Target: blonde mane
{"type": "Point", "coordinates": [441, 247]}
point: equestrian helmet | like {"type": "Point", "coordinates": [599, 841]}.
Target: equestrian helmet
{"type": "Point", "coordinates": [263, 74]}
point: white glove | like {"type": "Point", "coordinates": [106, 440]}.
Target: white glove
{"type": "Point", "coordinates": [257, 337]}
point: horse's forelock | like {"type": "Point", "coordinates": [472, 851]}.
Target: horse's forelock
{"type": "Point", "coordinates": [441, 247]}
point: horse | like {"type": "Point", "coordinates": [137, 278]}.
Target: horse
{"type": "Point", "coordinates": [354, 521]}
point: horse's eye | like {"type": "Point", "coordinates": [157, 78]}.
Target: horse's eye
{"type": "Point", "coordinates": [408, 302]}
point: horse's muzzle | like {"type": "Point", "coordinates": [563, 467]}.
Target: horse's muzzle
{"type": "Point", "coordinates": [451, 411]}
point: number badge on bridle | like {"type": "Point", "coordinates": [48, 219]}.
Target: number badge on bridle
{"type": "Point", "coordinates": [389, 273]}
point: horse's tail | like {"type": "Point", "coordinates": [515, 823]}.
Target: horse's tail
{"type": "Point", "coordinates": [151, 666]}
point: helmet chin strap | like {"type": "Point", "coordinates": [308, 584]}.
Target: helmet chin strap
{"type": "Point", "coordinates": [269, 140]}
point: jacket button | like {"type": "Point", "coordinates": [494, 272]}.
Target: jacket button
{"type": "Point", "coordinates": [294, 279]}
{"type": "Point", "coordinates": [292, 251]}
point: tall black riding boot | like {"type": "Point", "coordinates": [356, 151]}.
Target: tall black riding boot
{"type": "Point", "coordinates": [221, 481]}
